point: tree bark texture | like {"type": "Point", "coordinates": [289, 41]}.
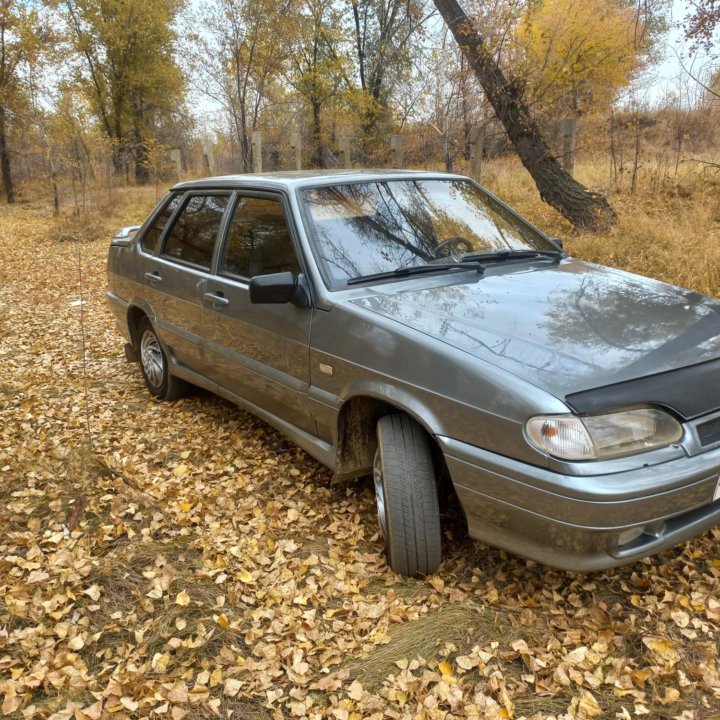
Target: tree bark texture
{"type": "Point", "coordinates": [585, 209]}
{"type": "Point", "coordinates": [5, 160]}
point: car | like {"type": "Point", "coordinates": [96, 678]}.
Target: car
{"type": "Point", "coordinates": [411, 327]}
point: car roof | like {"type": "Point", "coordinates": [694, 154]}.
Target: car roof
{"type": "Point", "coordinates": [300, 178]}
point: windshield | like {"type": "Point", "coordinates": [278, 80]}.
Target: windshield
{"type": "Point", "coordinates": [369, 228]}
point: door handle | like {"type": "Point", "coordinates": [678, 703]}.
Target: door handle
{"type": "Point", "coordinates": [216, 298]}
{"type": "Point", "coordinates": [153, 276]}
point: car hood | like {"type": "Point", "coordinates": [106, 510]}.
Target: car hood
{"type": "Point", "coordinates": [564, 327]}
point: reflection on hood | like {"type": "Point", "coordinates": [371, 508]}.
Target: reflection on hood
{"type": "Point", "coordinates": [564, 328]}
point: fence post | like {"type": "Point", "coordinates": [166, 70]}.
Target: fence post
{"type": "Point", "coordinates": [208, 158]}
{"type": "Point", "coordinates": [396, 145]}
{"type": "Point", "coordinates": [569, 130]}
{"type": "Point", "coordinates": [296, 145]}
{"type": "Point", "coordinates": [345, 152]}
{"type": "Point", "coordinates": [476, 141]}
{"type": "Point", "coordinates": [257, 151]}
{"type": "Point", "coordinates": [176, 159]}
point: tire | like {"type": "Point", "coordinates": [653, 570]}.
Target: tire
{"type": "Point", "coordinates": [154, 365]}
{"type": "Point", "coordinates": [406, 496]}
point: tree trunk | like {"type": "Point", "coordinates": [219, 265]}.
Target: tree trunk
{"type": "Point", "coordinates": [584, 209]}
{"type": "Point", "coordinates": [318, 154]}
{"type": "Point", "coordinates": [5, 160]}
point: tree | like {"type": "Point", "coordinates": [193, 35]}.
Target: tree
{"type": "Point", "coordinates": [319, 66]}
{"type": "Point", "coordinates": [583, 208]}
{"type": "Point", "coordinates": [130, 76]}
{"type": "Point", "coordinates": [21, 41]}
{"type": "Point", "coordinates": [237, 58]}
{"type": "Point", "coordinates": [577, 53]}
{"type": "Point", "coordinates": [383, 31]}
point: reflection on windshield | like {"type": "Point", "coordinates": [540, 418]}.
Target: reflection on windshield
{"type": "Point", "coordinates": [367, 228]}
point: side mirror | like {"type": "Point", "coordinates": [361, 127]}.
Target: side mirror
{"type": "Point", "coordinates": [124, 235]}
{"type": "Point", "coordinates": [284, 287]}
{"type": "Point", "coordinates": [557, 240]}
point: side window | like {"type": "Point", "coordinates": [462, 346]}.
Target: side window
{"type": "Point", "coordinates": [150, 237]}
{"type": "Point", "coordinates": [258, 240]}
{"type": "Point", "coordinates": [192, 236]}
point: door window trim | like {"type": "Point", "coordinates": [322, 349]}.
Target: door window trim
{"type": "Point", "coordinates": [148, 224]}
{"type": "Point", "coordinates": [287, 211]}
{"type": "Point", "coordinates": [175, 216]}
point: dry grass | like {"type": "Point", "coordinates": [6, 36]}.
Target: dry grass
{"type": "Point", "coordinates": [449, 624]}
{"type": "Point", "coordinates": [669, 229]}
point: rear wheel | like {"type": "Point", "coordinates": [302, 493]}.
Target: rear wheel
{"type": "Point", "coordinates": [154, 365]}
{"type": "Point", "coordinates": [406, 496]}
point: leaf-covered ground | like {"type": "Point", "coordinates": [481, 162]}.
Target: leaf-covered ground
{"type": "Point", "coordinates": [184, 560]}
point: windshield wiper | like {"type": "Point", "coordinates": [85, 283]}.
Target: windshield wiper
{"type": "Point", "coordinates": [502, 255]}
{"type": "Point", "coordinates": [417, 270]}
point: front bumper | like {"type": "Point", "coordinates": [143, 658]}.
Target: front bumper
{"type": "Point", "coordinates": [577, 522]}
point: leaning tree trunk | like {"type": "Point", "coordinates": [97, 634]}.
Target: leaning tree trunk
{"type": "Point", "coordinates": [583, 208]}
{"type": "Point", "coordinates": [5, 160]}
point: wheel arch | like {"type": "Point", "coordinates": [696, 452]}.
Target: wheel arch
{"type": "Point", "coordinates": [356, 438]}
{"type": "Point", "coordinates": [135, 313]}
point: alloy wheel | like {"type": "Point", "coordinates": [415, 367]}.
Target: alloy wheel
{"type": "Point", "coordinates": [151, 358]}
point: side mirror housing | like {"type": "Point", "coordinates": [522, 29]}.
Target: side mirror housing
{"type": "Point", "coordinates": [558, 241]}
{"type": "Point", "coordinates": [284, 287]}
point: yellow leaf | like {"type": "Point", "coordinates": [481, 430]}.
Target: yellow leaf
{"type": "Point", "coordinates": [589, 706]}
{"type": "Point", "coordinates": [11, 702]}
{"type": "Point", "coordinates": [466, 662]}
{"type": "Point", "coordinates": [186, 506]}
{"type": "Point", "coordinates": [445, 668]}
{"type": "Point", "coordinates": [129, 704]}
{"type": "Point", "coordinates": [77, 643]}
{"type": "Point", "coordinates": [663, 648]}
{"type": "Point", "coordinates": [232, 687]}
{"type": "Point", "coordinates": [160, 662]}
{"type": "Point", "coordinates": [178, 693]}
{"type": "Point", "coordinates": [180, 471]}
{"type": "Point", "coordinates": [93, 592]}
{"type": "Point", "coordinates": [215, 677]}
{"type": "Point", "coordinates": [94, 711]}
{"type": "Point", "coordinates": [245, 576]}
{"type": "Point", "coordinates": [182, 599]}
{"type": "Point", "coordinates": [672, 695]}
{"type": "Point", "coordinates": [222, 621]}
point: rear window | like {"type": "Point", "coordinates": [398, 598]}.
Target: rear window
{"type": "Point", "coordinates": [149, 239]}
{"type": "Point", "coordinates": [193, 234]}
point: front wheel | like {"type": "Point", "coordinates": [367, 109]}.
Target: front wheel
{"type": "Point", "coordinates": [406, 496]}
{"type": "Point", "coordinates": [154, 365]}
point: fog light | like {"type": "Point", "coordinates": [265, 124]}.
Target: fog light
{"type": "Point", "coordinates": [627, 536]}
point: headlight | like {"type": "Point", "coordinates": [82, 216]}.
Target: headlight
{"type": "Point", "coordinates": [599, 437]}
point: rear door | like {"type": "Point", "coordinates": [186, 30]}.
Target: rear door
{"type": "Point", "coordinates": [258, 351]}
{"type": "Point", "coordinates": [175, 276]}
